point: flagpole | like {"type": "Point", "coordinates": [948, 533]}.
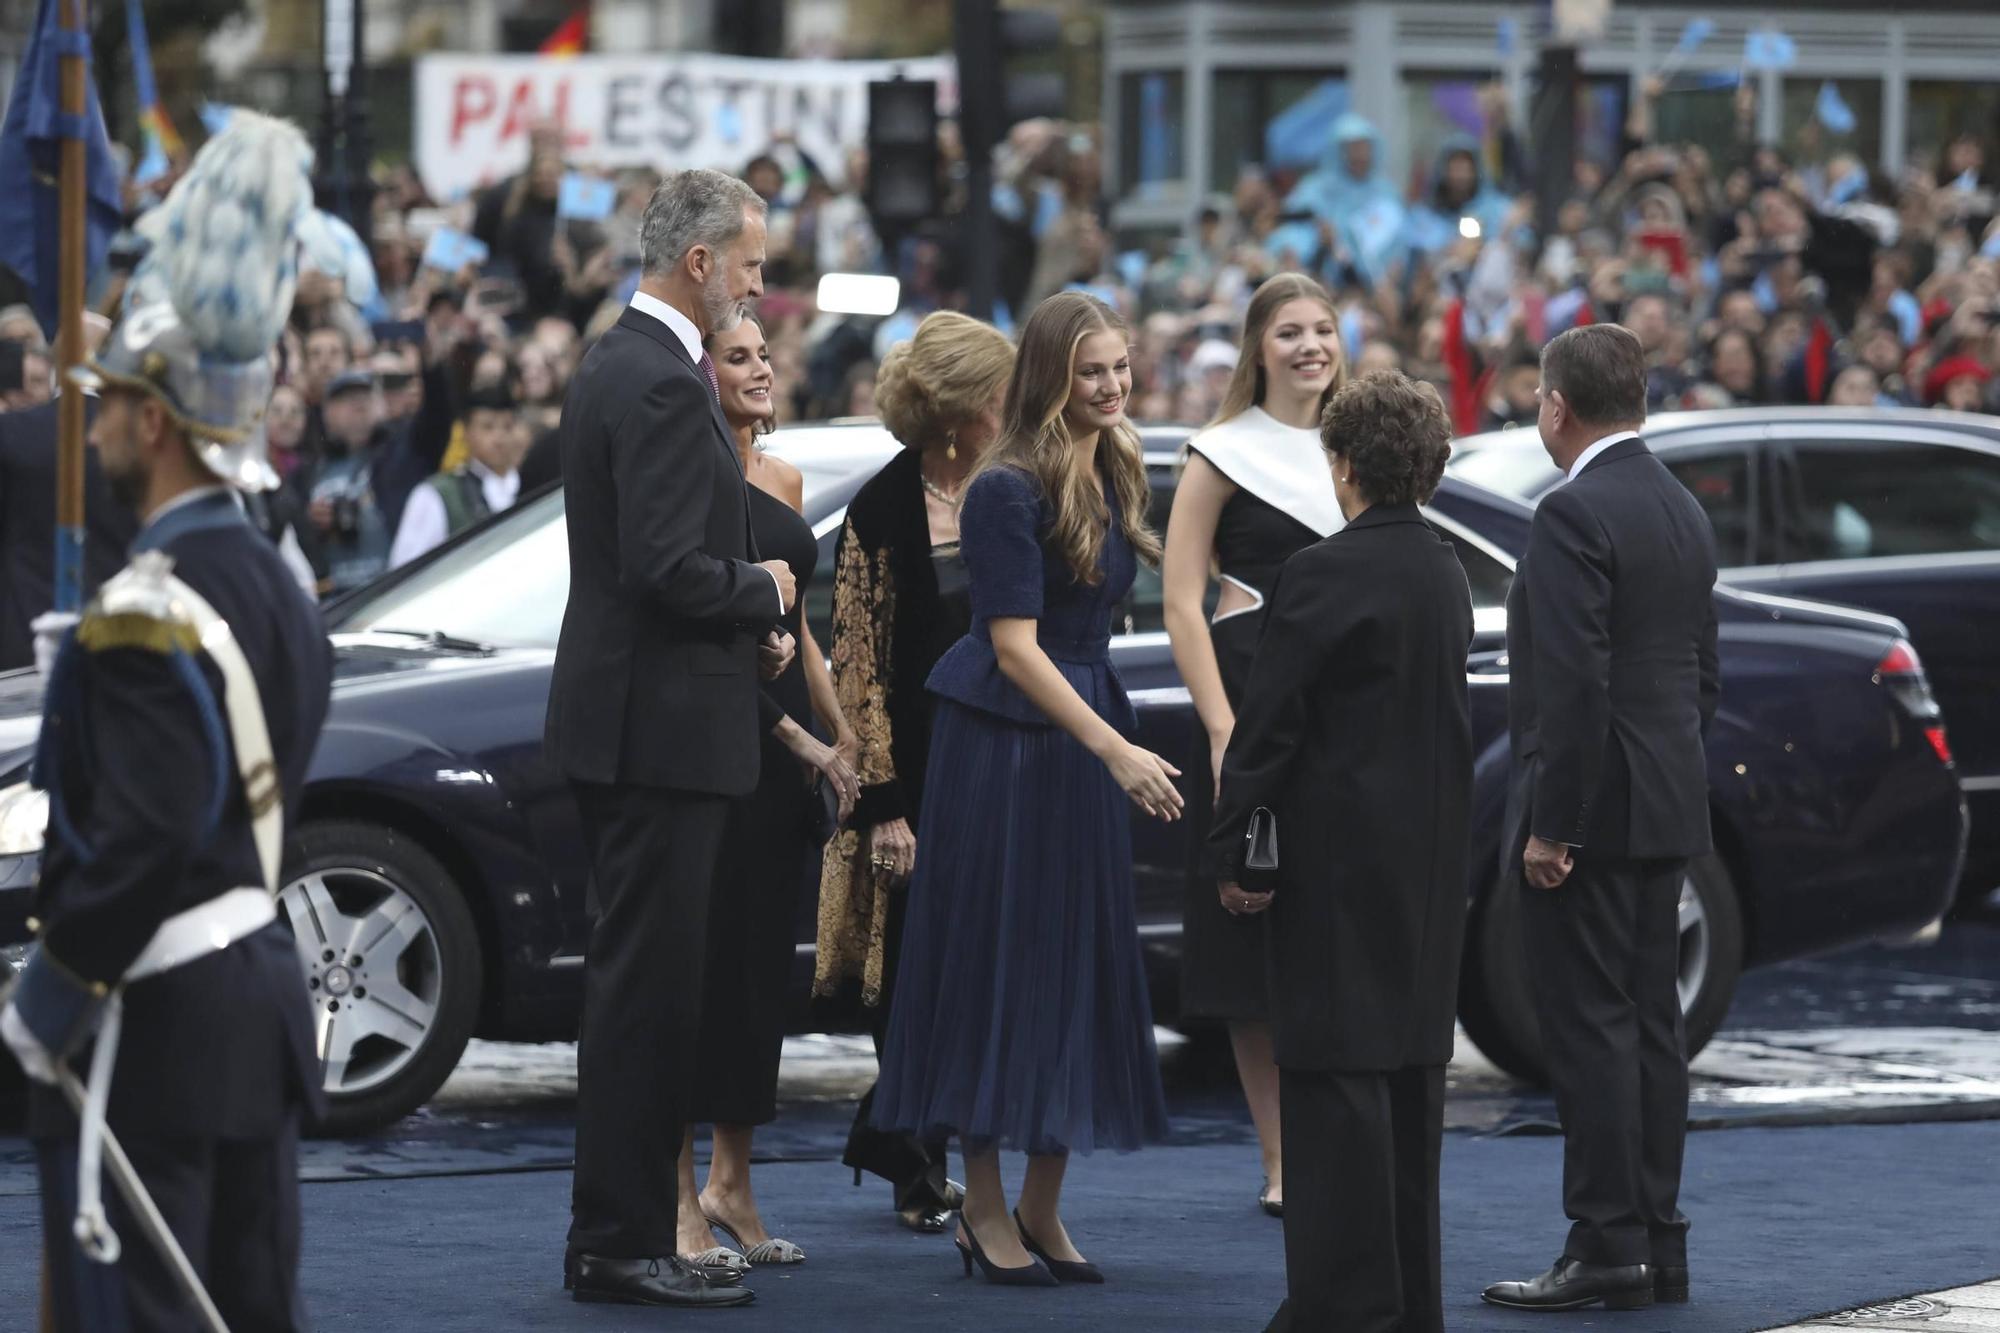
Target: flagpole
{"type": "Point", "coordinates": [69, 334]}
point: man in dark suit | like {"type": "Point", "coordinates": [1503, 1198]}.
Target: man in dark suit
{"type": "Point", "coordinates": [1611, 635]}
{"type": "Point", "coordinates": [655, 712]}
{"type": "Point", "coordinates": [1355, 729]}
{"type": "Point", "coordinates": [28, 525]}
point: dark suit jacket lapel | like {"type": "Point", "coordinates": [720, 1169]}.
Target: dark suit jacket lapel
{"type": "Point", "coordinates": [640, 322]}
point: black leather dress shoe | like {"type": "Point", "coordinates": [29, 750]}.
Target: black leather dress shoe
{"type": "Point", "coordinates": [1570, 1285]}
{"type": "Point", "coordinates": [714, 1277]}
{"type": "Point", "coordinates": [665, 1281]}
{"type": "Point", "coordinates": [1670, 1284]}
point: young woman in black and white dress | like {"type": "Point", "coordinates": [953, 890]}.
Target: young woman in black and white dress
{"type": "Point", "coordinates": [1256, 489]}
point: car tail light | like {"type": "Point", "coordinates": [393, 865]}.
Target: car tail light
{"type": "Point", "coordinates": [1901, 672]}
{"type": "Point", "coordinates": [1935, 735]}
{"type": "Point", "coordinates": [1900, 660]}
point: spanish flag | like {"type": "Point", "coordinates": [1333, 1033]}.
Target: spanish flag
{"type": "Point", "coordinates": [573, 37]}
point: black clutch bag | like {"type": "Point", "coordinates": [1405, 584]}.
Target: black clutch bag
{"type": "Point", "coordinates": [823, 810]}
{"type": "Point", "coordinates": [1260, 849]}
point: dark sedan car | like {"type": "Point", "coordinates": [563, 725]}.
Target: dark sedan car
{"type": "Point", "coordinates": [1896, 510]}
{"type": "Point", "coordinates": [437, 881]}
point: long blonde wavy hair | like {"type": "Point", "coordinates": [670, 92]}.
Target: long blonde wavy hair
{"type": "Point", "coordinates": [1246, 387]}
{"type": "Point", "coordinates": [1035, 438]}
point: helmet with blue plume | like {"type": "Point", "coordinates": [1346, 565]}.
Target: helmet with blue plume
{"type": "Point", "coordinates": [209, 302]}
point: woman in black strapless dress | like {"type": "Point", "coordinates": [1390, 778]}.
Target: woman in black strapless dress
{"type": "Point", "coordinates": [767, 864]}
{"type": "Point", "coordinates": [1256, 490]}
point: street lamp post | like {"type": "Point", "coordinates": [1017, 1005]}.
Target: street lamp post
{"type": "Point", "coordinates": [343, 187]}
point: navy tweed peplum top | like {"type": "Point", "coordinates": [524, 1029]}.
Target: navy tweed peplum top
{"type": "Point", "coordinates": [1002, 528]}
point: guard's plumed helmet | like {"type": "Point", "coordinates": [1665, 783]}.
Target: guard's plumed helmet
{"type": "Point", "coordinates": [213, 294]}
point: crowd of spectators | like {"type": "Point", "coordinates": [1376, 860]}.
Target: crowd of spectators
{"type": "Point", "coordinates": [1750, 276]}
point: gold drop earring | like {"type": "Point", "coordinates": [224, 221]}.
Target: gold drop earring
{"type": "Point", "coordinates": [951, 445]}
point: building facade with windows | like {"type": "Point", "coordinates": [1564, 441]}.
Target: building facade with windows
{"type": "Point", "coordinates": [1198, 90]}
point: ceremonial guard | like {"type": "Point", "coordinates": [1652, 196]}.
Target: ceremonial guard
{"type": "Point", "coordinates": [181, 712]}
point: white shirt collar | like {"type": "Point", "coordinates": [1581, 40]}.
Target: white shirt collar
{"type": "Point", "coordinates": [683, 327]}
{"type": "Point", "coordinates": [500, 490]}
{"type": "Point", "coordinates": [1583, 459]}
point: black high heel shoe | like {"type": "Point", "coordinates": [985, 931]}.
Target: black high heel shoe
{"type": "Point", "coordinates": [1034, 1275]}
{"type": "Point", "coordinates": [1065, 1270]}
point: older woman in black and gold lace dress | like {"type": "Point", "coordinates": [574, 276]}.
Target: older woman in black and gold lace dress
{"type": "Point", "coordinates": [899, 602]}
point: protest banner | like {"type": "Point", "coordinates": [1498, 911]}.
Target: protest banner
{"type": "Point", "coordinates": [660, 110]}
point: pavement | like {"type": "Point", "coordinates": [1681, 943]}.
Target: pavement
{"type": "Point", "coordinates": [1851, 1114]}
{"type": "Point", "coordinates": [1960, 1310]}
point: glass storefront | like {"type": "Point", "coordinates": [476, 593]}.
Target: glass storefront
{"type": "Point", "coordinates": [1275, 119]}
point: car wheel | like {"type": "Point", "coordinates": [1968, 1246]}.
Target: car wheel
{"type": "Point", "coordinates": [392, 965]}
{"type": "Point", "coordinates": [1498, 1009]}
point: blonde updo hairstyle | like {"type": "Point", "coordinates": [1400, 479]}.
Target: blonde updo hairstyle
{"type": "Point", "coordinates": [942, 378]}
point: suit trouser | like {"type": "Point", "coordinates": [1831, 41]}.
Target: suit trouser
{"type": "Point", "coordinates": [1604, 951]}
{"type": "Point", "coordinates": [653, 855]}
{"type": "Point", "coordinates": [233, 1204]}
{"type": "Point", "coordinates": [1361, 1200]}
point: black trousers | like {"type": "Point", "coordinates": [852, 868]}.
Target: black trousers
{"type": "Point", "coordinates": [233, 1204]}
{"type": "Point", "coordinates": [1604, 951]}
{"type": "Point", "coordinates": [653, 856]}
{"type": "Point", "coordinates": [1361, 1200]}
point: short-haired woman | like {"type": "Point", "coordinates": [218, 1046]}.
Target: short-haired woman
{"type": "Point", "coordinates": [1356, 734]}
{"type": "Point", "coordinates": [899, 601]}
{"type": "Point", "coordinates": [1255, 491]}
{"type": "Point", "coordinates": [1021, 1018]}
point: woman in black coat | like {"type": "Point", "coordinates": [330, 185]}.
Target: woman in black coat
{"type": "Point", "coordinates": [1356, 734]}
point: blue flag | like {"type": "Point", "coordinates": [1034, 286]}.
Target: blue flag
{"type": "Point", "coordinates": [1697, 31]}
{"type": "Point", "coordinates": [1767, 48]}
{"type": "Point", "coordinates": [30, 162]}
{"type": "Point", "coordinates": [1832, 110]}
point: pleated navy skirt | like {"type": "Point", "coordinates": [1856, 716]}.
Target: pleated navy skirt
{"type": "Point", "coordinates": [1021, 1017]}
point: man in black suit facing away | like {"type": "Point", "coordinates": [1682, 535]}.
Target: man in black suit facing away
{"type": "Point", "coordinates": [1611, 635]}
{"type": "Point", "coordinates": [654, 714]}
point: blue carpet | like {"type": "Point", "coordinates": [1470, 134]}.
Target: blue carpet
{"type": "Point", "coordinates": [1788, 1223]}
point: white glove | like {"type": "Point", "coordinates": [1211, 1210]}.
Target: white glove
{"type": "Point", "coordinates": [50, 627]}
{"type": "Point", "coordinates": [35, 1058]}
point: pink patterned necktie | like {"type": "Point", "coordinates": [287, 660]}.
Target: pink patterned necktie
{"type": "Point", "coordinates": [708, 369]}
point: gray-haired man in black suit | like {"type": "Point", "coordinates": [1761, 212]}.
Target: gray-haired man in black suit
{"type": "Point", "coordinates": [1611, 634]}
{"type": "Point", "coordinates": [655, 713]}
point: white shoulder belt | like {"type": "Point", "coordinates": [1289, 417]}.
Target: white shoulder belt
{"type": "Point", "coordinates": [147, 594]}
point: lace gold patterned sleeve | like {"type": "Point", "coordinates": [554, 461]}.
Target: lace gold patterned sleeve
{"type": "Point", "coordinates": [854, 894]}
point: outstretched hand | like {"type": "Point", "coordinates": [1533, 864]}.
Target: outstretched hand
{"type": "Point", "coordinates": [1148, 780]}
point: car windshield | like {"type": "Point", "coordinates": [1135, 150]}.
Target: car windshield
{"type": "Point", "coordinates": [1509, 469]}
{"type": "Point", "coordinates": [504, 586]}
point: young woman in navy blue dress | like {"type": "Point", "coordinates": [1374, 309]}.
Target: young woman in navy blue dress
{"type": "Point", "coordinates": [1021, 1018]}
